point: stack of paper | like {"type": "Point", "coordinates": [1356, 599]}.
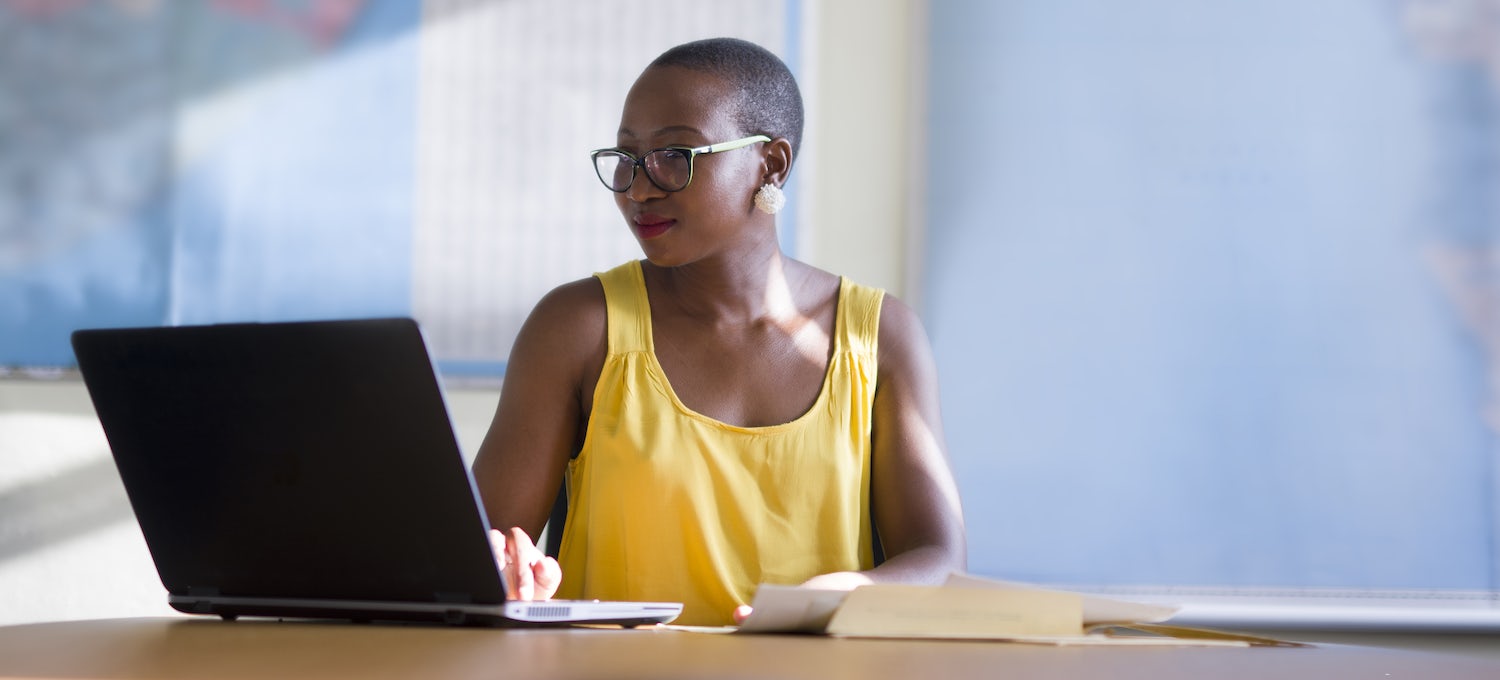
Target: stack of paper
{"type": "Point", "coordinates": [970, 608]}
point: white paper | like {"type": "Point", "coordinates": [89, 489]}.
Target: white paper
{"type": "Point", "coordinates": [789, 609]}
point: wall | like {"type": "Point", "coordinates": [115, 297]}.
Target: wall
{"type": "Point", "coordinates": [863, 80]}
{"type": "Point", "coordinates": [1196, 265]}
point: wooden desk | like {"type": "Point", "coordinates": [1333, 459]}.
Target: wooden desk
{"type": "Point", "coordinates": [192, 648]}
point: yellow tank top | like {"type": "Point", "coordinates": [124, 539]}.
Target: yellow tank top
{"type": "Point", "coordinates": [669, 504]}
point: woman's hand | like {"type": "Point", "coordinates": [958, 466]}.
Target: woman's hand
{"type": "Point", "coordinates": [838, 580]}
{"type": "Point", "coordinates": [525, 571]}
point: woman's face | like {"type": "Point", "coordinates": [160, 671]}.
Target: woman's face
{"type": "Point", "coordinates": [672, 106]}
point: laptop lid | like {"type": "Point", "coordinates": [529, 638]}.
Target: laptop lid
{"type": "Point", "coordinates": [303, 468]}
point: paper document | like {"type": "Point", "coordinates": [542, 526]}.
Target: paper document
{"type": "Point", "coordinates": [789, 609]}
{"type": "Point", "coordinates": [956, 613]}
{"type": "Point", "coordinates": [971, 608]}
{"type": "Point", "coordinates": [1096, 610]}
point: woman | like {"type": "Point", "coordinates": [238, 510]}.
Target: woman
{"type": "Point", "coordinates": [725, 415]}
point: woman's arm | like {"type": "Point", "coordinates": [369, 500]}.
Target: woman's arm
{"type": "Point", "coordinates": [913, 496]}
{"type": "Point", "coordinates": [538, 425]}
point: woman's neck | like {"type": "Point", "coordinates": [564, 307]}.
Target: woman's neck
{"type": "Point", "coordinates": [744, 288]}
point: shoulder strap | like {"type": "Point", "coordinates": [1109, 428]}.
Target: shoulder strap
{"type": "Point", "coordinates": [629, 313]}
{"type": "Point", "coordinates": [859, 317]}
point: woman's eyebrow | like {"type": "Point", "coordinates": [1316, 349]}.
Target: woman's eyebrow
{"type": "Point", "coordinates": [678, 128]}
{"type": "Point", "coordinates": [627, 133]}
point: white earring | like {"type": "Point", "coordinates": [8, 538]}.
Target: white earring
{"type": "Point", "coordinates": [769, 199]}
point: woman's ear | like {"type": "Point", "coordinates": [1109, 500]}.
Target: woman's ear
{"type": "Point", "coordinates": [778, 161]}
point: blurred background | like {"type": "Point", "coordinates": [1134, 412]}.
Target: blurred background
{"type": "Point", "coordinates": [1212, 287]}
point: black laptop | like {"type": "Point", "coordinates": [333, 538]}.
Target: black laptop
{"type": "Point", "coordinates": [305, 470]}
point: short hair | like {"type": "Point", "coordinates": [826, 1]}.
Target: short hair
{"type": "Point", "coordinates": [769, 101]}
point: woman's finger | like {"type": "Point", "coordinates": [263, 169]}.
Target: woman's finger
{"type": "Point", "coordinates": [523, 557]}
{"type": "Point", "coordinates": [547, 576]}
{"type": "Point", "coordinates": [499, 546]}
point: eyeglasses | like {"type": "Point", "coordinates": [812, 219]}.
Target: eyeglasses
{"type": "Point", "coordinates": [669, 168]}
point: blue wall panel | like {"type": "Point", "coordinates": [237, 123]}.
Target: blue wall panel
{"type": "Point", "coordinates": [1181, 285]}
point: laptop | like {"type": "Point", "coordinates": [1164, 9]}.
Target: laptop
{"type": "Point", "coordinates": [305, 470]}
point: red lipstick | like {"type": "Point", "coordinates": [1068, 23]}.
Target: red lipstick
{"type": "Point", "coordinates": [648, 226]}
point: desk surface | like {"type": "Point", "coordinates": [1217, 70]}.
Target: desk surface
{"type": "Point", "coordinates": [182, 648]}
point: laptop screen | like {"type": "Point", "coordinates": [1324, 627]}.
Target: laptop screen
{"type": "Point", "coordinates": [306, 459]}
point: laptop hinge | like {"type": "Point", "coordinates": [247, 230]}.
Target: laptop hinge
{"type": "Point", "coordinates": [197, 599]}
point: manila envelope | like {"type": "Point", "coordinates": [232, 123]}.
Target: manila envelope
{"type": "Point", "coordinates": [957, 613]}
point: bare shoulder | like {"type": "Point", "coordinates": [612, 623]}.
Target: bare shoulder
{"type": "Point", "coordinates": [820, 287]}
{"type": "Point", "coordinates": [569, 323]}
{"type": "Point", "coordinates": [903, 340]}
{"type": "Point", "coordinates": [580, 301]}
